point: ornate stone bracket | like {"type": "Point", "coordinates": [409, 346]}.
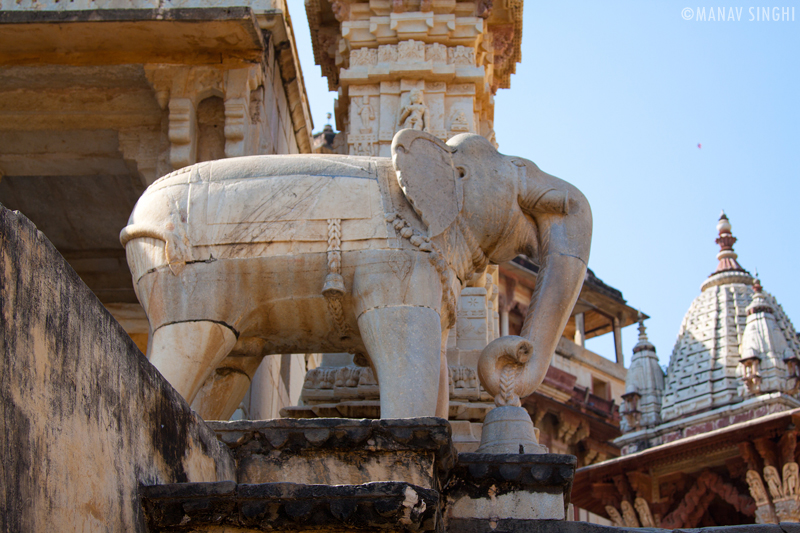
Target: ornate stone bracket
{"type": "Point", "coordinates": [707, 486]}
{"type": "Point", "coordinates": [239, 84]}
{"type": "Point", "coordinates": [782, 502]}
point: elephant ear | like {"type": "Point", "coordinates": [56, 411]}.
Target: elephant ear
{"type": "Point", "coordinates": [428, 178]}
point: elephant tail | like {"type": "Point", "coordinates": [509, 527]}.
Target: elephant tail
{"type": "Point", "coordinates": [148, 248]}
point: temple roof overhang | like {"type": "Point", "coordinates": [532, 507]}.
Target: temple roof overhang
{"type": "Point", "coordinates": [686, 455]}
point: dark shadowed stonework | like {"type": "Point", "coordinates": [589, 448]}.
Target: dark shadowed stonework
{"type": "Point", "coordinates": [380, 506]}
{"type": "Point", "coordinates": [85, 418]}
{"type": "Point", "coordinates": [551, 526]}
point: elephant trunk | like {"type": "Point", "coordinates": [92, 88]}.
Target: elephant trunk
{"type": "Point", "coordinates": [564, 229]}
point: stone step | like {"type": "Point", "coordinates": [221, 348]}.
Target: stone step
{"type": "Point", "coordinates": [336, 451]}
{"type": "Point", "coordinates": [226, 506]}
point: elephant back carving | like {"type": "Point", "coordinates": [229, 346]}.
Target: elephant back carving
{"type": "Point", "coordinates": [428, 177]}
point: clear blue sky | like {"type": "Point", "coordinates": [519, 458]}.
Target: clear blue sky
{"type": "Point", "coordinates": [614, 97]}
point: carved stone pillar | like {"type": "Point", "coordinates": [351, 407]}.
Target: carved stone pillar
{"type": "Point", "coordinates": [503, 323]}
{"type": "Point", "coordinates": [618, 341]}
{"type": "Point", "coordinates": [580, 330]}
{"type": "Point", "coordinates": [433, 66]}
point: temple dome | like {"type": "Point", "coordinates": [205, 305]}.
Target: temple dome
{"type": "Point", "coordinates": [704, 371]}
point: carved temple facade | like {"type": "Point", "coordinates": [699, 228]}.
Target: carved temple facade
{"type": "Point", "coordinates": [432, 65]}
{"type": "Point", "coordinates": [714, 441]}
{"type": "Point", "coordinates": [99, 99]}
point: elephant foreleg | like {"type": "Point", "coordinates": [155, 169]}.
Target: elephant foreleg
{"type": "Point", "coordinates": [404, 344]}
{"type": "Point", "coordinates": [186, 353]}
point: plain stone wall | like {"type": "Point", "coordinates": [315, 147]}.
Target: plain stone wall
{"type": "Point", "coordinates": [85, 419]}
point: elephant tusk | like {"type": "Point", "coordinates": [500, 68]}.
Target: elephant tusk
{"type": "Point", "coordinates": [129, 233]}
{"type": "Point", "coordinates": [175, 251]}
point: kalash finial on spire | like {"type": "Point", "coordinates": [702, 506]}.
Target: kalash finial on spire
{"type": "Point", "coordinates": [642, 328]}
{"type": "Point", "coordinates": [726, 240]}
{"type": "Point", "coordinates": [759, 304]}
{"type": "Point", "coordinates": [644, 342]}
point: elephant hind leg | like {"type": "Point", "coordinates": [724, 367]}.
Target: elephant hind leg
{"type": "Point", "coordinates": [226, 387]}
{"type": "Point", "coordinates": [186, 353]}
{"type": "Point", "coordinates": [222, 393]}
{"type": "Point", "coordinates": [404, 344]}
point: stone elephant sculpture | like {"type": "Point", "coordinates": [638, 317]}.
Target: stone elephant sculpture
{"type": "Point", "coordinates": [239, 258]}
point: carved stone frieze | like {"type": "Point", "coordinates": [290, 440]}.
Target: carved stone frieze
{"type": "Point", "coordinates": [363, 57]}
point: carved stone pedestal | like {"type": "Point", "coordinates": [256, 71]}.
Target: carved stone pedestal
{"type": "Point", "coordinates": [485, 488]}
{"type": "Point", "coordinates": [509, 429]}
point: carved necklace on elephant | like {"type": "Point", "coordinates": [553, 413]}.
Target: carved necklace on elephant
{"type": "Point", "coordinates": [435, 256]}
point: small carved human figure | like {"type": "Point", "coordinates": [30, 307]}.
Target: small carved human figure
{"type": "Point", "coordinates": [616, 518]}
{"type": "Point", "coordinates": [757, 490]}
{"type": "Point", "coordinates": [366, 113]}
{"type": "Point", "coordinates": [644, 512]}
{"type": "Point", "coordinates": [415, 114]}
{"type": "Point", "coordinates": [773, 481]}
{"type": "Point", "coordinates": [628, 514]}
{"type": "Point", "coordinates": [484, 9]}
{"type": "Point", "coordinates": [341, 10]}
{"type": "Point", "coordinates": [791, 479]}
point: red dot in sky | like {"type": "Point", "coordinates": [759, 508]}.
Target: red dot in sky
{"type": "Point", "coordinates": [699, 145]}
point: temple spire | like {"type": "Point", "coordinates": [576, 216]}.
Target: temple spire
{"type": "Point", "coordinates": [726, 240]}
{"type": "Point", "coordinates": [767, 362]}
{"type": "Point", "coordinates": [644, 386]}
